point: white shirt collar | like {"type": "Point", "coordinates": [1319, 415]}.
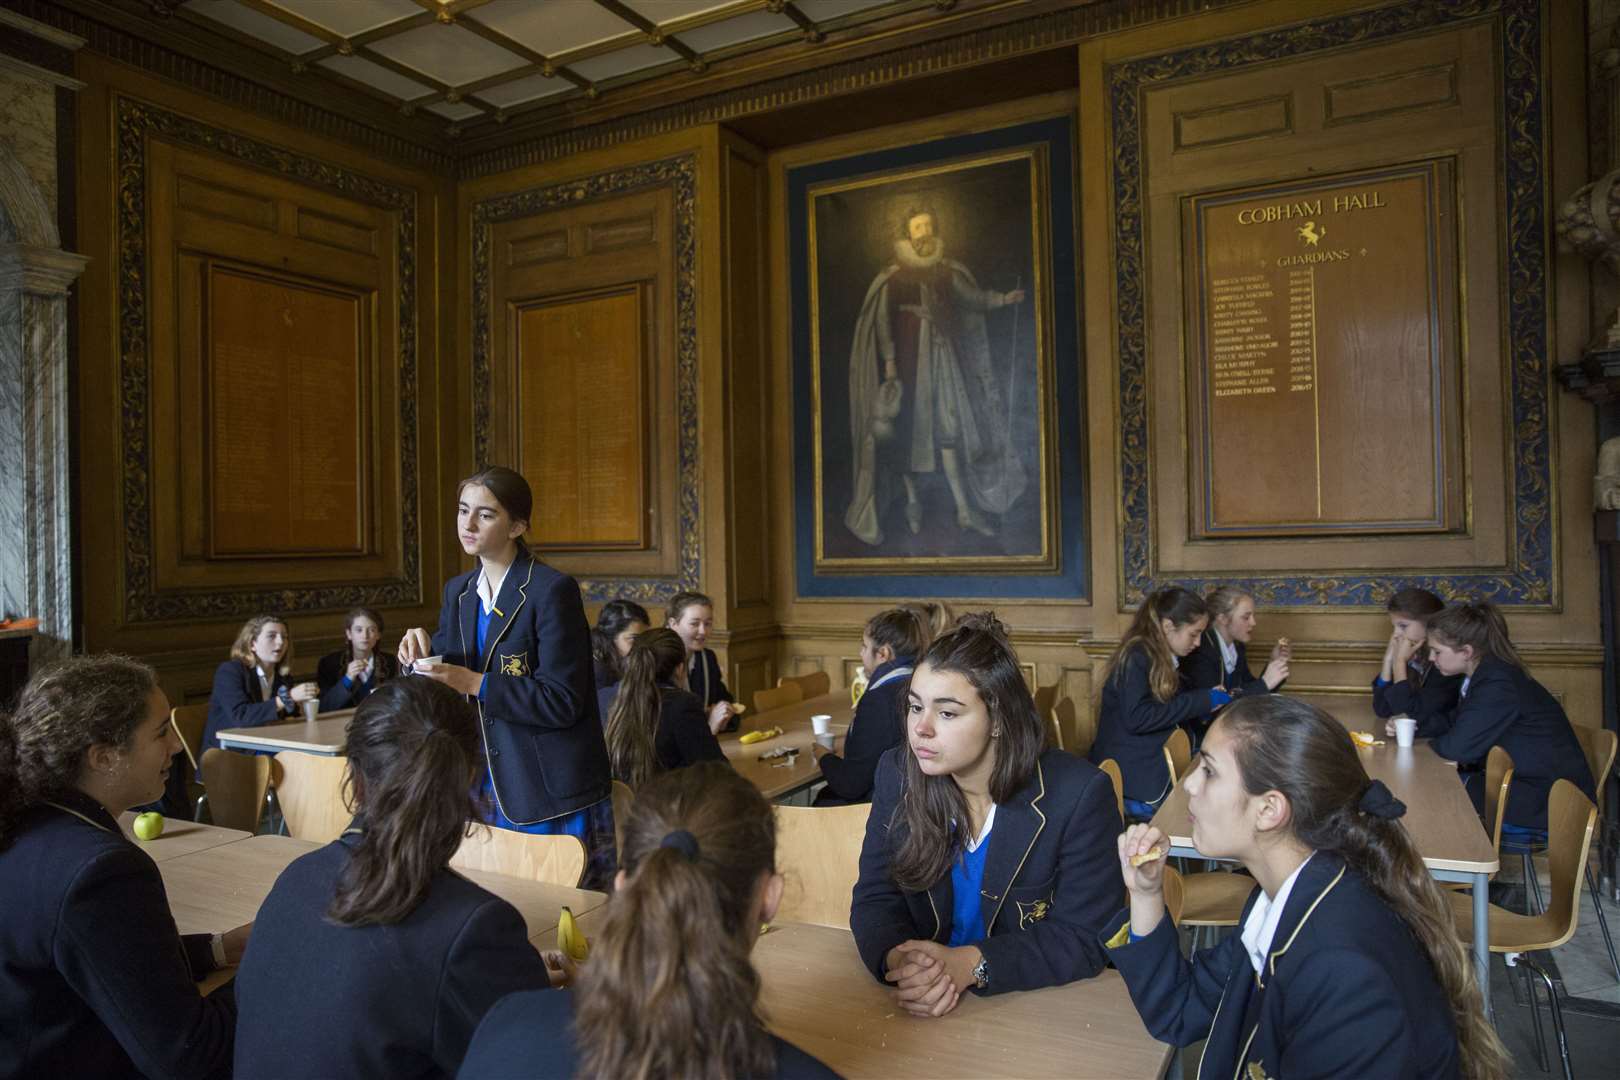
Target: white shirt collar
{"type": "Point", "coordinates": [1464, 691]}
{"type": "Point", "coordinates": [1228, 652]}
{"type": "Point", "coordinates": [488, 592]}
{"type": "Point", "coordinates": [264, 681]}
{"type": "Point", "coordinates": [1261, 925]}
{"type": "Point", "coordinates": [984, 833]}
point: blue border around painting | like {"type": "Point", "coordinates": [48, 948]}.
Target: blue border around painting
{"type": "Point", "coordinates": [1069, 581]}
{"type": "Point", "coordinates": [1530, 578]}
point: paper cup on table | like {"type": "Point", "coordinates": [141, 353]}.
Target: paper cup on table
{"type": "Point", "coordinates": [311, 707]}
{"type": "Point", "coordinates": [426, 660]}
{"type": "Point", "coordinates": [1405, 730]}
{"type": "Point", "coordinates": [827, 739]}
{"type": "Point", "coordinates": [821, 723]}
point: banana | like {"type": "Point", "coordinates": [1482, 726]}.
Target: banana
{"type": "Point", "coordinates": [569, 938]}
{"type": "Point", "coordinates": [760, 736]}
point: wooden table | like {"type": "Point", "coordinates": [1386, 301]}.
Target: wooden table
{"type": "Point", "coordinates": [179, 837]}
{"type": "Point", "coordinates": [820, 997]}
{"type": "Point", "coordinates": [326, 735]}
{"type": "Point", "coordinates": [773, 778]}
{"type": "Point", "coordinates": [222, 887]}
{"type": "Point", "coordinates": [1439, 815]}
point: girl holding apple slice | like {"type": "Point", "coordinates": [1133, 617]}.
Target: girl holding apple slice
{"type": "Point", "coordinates": [94, 979]}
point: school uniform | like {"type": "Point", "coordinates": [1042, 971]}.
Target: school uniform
{"type": "Point", "coordinates": [1132, 726]}
{"type": "Point", "coordinates": [339, 690]}
{"type": "Point", "coordinates": [682, 736]}
{"type": "Point", "coordinates": [1501, 705]}
{"type": "Point", "coordinates": [703, 678]}
{"type": "Point", "coordinates": [532, 1035]}
{"type": "Point", "coordinates": [878, 725]}
{"type": "Point", "coordinates": [239, 699]}
{"type": "Point", "coordinates": [399, 1000]}
{"type": "Point", "coordinates": [94, 978]}
{"type": "Point", "coordinates": [1222, 663]}
{"type": "Point", "coordinates": [1343, 988]}
{"type": "Point", "coordinates": [1047, 878]}
{"type": "Point", "coordinates": [1424, 694]}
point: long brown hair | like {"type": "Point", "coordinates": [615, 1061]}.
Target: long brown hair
{"type": "Point", "coordinates": [242, 647]}
{"type": "Point", "coordinates": [1419, 605]}
{"type": "Point", "coordinates": [510, 490]}
{"type": "Point", "coordinates": [670, 989]}
{"type": "Point", "coordinates": [902, 630]}
{"type": "Point", "coordinates": [936, 618]}
{"type": "Point", "coordinates": [1179, 606]}
{"type": "Point", "coordinates": [1477, 624]}
{"type": "Point", "coordinates": [614, 617]}
{"type": "Point", "coordinates": [411, 745]}
{"type": "Point", "coordinates": [64, 710]}
{"type": "Point", "coordinates": [978, 651]}
{"type": "Point", "coordinates": [632, 723]}
{"type": "Point", "coordinates": [1286, 745]}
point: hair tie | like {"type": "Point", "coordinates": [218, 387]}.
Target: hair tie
{"type": "Point", "coordinates": [1377, 801]}
{"type": "Point", "coordinates": [683, 842]}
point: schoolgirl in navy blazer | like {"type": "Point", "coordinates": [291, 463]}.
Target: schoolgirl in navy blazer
{"type": "Point", "coordinates": [682, 736]}
{"type": "Point", "coordinates": [877, 727]}
{"type": "Point", "coordinates": [1425, 694]}
{"type": "Point", "coordinates": [1049, 878]}
{"type": "Point", "coordinates": [339, 691]}
{"type": "Point", "coordinates": [1133, 724]}
{"type": "Point", "coordinates": [237, 700]}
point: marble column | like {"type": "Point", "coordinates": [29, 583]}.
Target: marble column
{"type": "Point", "coordinates": [36, 550]}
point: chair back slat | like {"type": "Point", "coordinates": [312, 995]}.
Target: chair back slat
{"type": "Point", "coordinates": [309, 788]}
{"type": "Point", "coordinates": [786, 694]}
{"type": "Point", "coordinates": [818, 851]}
{"type": "Point", "coordinates": [236, 786]}
{"type": "Point", "coordinates": [554, 860]}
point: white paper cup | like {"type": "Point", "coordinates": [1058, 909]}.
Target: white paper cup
{"type": "Point", "coordinates": [1405, 730]}
{"type": "Point", "coordinates": [426, 660]}
{"type": "Point", "coordinates": [311, 707]}
{"type": "Point", "coordinates": [827, 739]}
{"type": "Point", "coordinates": [821, 723]}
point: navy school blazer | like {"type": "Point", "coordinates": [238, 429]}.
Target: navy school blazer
{"type": "Point", "coordinates": [532, 1035]}
{"type": "Point", "coordinates": [682, 736]}
{"type": "Point", "coordinates": [1132, 726]}
{"type": "Point", "coordinates": [1204, 667]}
{"type": "Point", "coordinates": [237, 701]}
{"type": "Point", "coordinates": [1505, 707]}
{"type": "Point", "coordinates": [329, 677]}
{"type": "Point", "coordinates": [1422, 695]}
{"type": "Point", "coordinates": [1347, 990]}
{"type": "Point", "coordinates": [879, 724]}
{"type": "Point", "coordinates": [94, 978]}
{"type": "Point", "coordinates": [542, 737]}
{"type": "Point", "coordinates": [401, 1000]}
{"type": "Point", "coordinates": [1051, 878]}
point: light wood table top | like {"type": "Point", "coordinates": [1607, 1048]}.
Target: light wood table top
{"type": "Point", "coordinates": [222, 887]}
{"type": "Point", "coordinates": [774, 778]}
{"type": "Point", "coordinates": [820, 997]}
{"type": "Point", "coordinates": [1439, 815]}
{"type": "Point", "coordinates": [326, 735]}
{"type": "Point", "coordinates": [179, 837]}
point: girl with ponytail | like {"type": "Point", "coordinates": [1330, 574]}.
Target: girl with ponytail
{"type": "Point", "coordinates": [1499, 704]}
{"type": "Point", "coordinates": [669, 990]}
{"type": "Point", "coordinates": [407, 955]}
{"type": "Point", "coordinates": [1142, 699]}
{"type": "Point", "coordinates": [1407, 683]}
{"type": "Point", "coordinates": [1347, 962]}
{"type": "Point", "coordinates": [653, 722]}
{"type": "Point", "coordinates": [890, 646]}
{"type": "Point", "coordinates": [94, 980]}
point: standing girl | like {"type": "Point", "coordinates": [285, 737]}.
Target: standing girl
{"type": "Point", "coordinates": [1408, 683]}
{"type": "Point", "coordinates": [354, 671]}
{"type": "Point", "coordinates": [698, 881]}
{"type": "Point", "coordinates": [890, 646]}
{"type": "Point", "coordinates": [653, 723]}
{"type": "Point", "coordinates": [987, 864]}
{"type": "Point", "coordinates": [691, 615]}
{"type": "Point", "coordinates": [1142, 701]}
{"type": "Point", "coordinates": [616, 627]}
{"type": "Point", "coordinates": [407, 954]}
{"type": "Point", "coordinates": [252, 689]}
{"type": "Point", "coordinates": [512, 636]}
{"type": "Point", "coordinates": [1499, 704]}
{"type": "Point", "coordinates": [1348, 962]}
{"type": "Point", "coordinates": [94, 980]}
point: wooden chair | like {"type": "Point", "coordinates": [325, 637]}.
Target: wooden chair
{"type": "Point", "coordinates": [1599, 745]}
{"type": "Point", "coordinates": [1213, 898]}
{"type": "Point", "coordinates": [811, 684]}
{"type": "Point", "coordinates": [818, 851]}
{"type": "Point", "coordinates": [1111, 767]}
{"type": "Point", "coordinates": [189, 722]}
{"type": "Point", "coordinates": [554, 860]}
{"type": "Point", "coordinates": [1075, 732]}
{"type": "Point", "coordinates": [1498, 781]}
{"type": "Point", "coordinates": [237, 784]}
{"type": "Point", "coordinates": [309, 788]}
{"type": "Point", "coordinates": [787, 694]}
{"type": "Point", "coordinates": [1174, 894]}
{"type": "Point", "coordinates": [1177, 754]}
{"type": "Point", "coordinates": [1571, 817]}
{"type": "Point", "coordinates": [623, 799]}
{"type": "Point", "coordinates": [1045, 698]}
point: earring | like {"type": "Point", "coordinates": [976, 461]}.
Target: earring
{"type": "Point", "coordinates": [995, 732]}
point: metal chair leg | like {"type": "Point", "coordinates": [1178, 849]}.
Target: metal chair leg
{"type": "Point", "coordinates": [1557, 1014]}
{"type": "Point", "coordinates": [1535, 1013]}
{"type": "Point", "coordinates": [1603, 922]}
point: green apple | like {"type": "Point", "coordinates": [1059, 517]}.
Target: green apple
{"type": "Point", "coordinates": [149, 826]}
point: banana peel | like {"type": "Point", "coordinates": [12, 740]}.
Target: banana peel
{"type": "Point", "coordinates": [760, 736]}
{"type": "Point", "coordinates": [570, 939]}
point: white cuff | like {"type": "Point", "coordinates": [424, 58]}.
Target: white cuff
{"type": "Point", "coordinates": [216, 942]}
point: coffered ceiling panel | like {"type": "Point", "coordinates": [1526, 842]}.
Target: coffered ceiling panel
{"type": "Point", "coordinates": [823, 10]}
{"type": "Point", "coordinates": [528, 88]}
{"type": "Point", "coordinates": [347, 18]}
{"type": "Point", "coordinates": [449, 54]}
{"type": "Point", "coordinates": [733, 31]}
{"type": "Point", "coordinates": [374, 75]}
{"type": "Point", "coordinates": [552, 26]}
{"type": "Point", "coordinates": [458, 111]}
{"type": "Point", "coordinates": [255, 25]}
{"type": "Point", "coordinates": [666, 11]}
{"type": "Point", "coordinates": [620, 61]}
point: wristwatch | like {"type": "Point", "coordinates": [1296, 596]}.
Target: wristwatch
{"type": "Point", "coordinates": [981, 973]}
